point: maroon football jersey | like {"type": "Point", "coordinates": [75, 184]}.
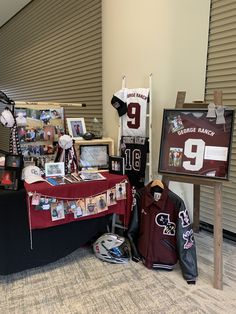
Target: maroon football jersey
{"type": "Point", "coordinates": [194, 144]}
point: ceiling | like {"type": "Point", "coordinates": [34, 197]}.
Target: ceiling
{"type": "Point", "coordinates": [8, 8]}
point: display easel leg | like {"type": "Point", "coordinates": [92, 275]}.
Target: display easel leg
{"type": "Point", "coordinates": [218, 237]}
{"type": "Point", "coordinates": [196, 207]}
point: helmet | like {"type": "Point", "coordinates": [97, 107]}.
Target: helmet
{"type": "Point", "coordinates": [112, 248]}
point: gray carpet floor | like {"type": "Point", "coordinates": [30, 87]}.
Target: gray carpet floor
{"type": "Point", "coordinates": [80, 283]}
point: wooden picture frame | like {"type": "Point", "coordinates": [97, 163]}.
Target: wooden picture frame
{"type": "Point", "coordinates": [193, 144]}
{"type": "Point", "coordinates": [117, 165]}
{"type": "Point", "coordinates": [76, 127]}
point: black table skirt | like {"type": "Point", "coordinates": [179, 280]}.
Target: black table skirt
{"type": "Point", "coordinates": [48, 244]}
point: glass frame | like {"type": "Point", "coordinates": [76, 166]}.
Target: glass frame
{"type": "Point", "coordinates": [194, 145]}
{"type": "Point", "coordinates": [94, 156]}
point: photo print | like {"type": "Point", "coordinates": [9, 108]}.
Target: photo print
{"type": "Point", "coordinates": [91, 205]}
{"type": "Point", "coordinates": [79, 208]}
{"type": "Point", "coordinates": [57, 210]}
{"type": "Point", "coordinates": [54, 169]}
{"type": "Point", "coordinates": [21, 117]}
{"type": "Point", "coordinates": [121, 191]}
{"type": "Point", "coordinates": [44, 203]}
{"type": "Point", "coordinates": [49, 133]}
{"type": "Point", "coordinates": [76, 127]}
{"type": "Point", "coordinates": [175, 123]}
{"type": "Point", "coordinates": [175, 156]}
{"type": "Point", "coordinates": [101, 201]}
{"type": "Point", "coordinates": [8, 179]}
{"type": "Point", "coordinates": [117, 165]}
{"type": "Point", "coordinates": [13, 161]}
{"type": "Point", "coordinates": [111, 197]}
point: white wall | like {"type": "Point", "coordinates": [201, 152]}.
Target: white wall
{"type": "Point", "coordinates": [167, 38]}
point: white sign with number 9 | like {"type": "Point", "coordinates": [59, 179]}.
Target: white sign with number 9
{"type": "Point", "coordinates": [198, 154]}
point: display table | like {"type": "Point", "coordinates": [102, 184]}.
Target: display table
{"type": "Point", "coordinates": [71, 193]}
{"type": "Point", "coordinates": [49, 244]}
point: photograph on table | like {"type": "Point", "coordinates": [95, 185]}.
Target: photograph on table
{"type": "Point", "coordinates": [8, 179]}
{"type": "Point", "coordinates": [117, 165]}
{"type": "Point", "coordinates": [54, 169]}
{"type": "Point", "coordinates": [194, 144]}
{"type": "Point", "coordinates": [76, 127]}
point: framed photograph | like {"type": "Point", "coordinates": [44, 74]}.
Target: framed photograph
{"type": "Point", "coordinates": [76, 127]}
{"type": "Point", "coordinates": [116, 165]}
{"type": "Point", "coordinates": [3, 154]}
{"type": "Point", "coordinates": [8, 179]}
{"type": "Point", "coordinates": [13, 161]}
{"type": "Point", "coordinates": [195, 145]}
{"type": "Point", "coordinates": [94, 156]}
{"type": "Point", "coordinates": [54, 169]}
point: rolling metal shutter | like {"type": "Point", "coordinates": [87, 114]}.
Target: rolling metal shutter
{"type": "Point", "coordinates": [221, 74]}
{"type": "Point", "coordinates": [52, 51]}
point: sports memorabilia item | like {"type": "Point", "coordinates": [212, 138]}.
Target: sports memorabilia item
{"type": "Point", "coordinates": [8, 120]}
{"type": "Point", "coordinates": [194, 144]}
{"type": "Point", "coordinates": [160, 232]}
{"type": "Point", "coordinates": [134, 149]}
{"type": "Point", "coordinates": [131, 105]}
{"type": "Point", "coordinates": [66, 153]}
{"type": "Point", "coordinates": [112, 248]}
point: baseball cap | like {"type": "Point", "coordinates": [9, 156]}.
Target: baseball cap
{"type": "Point", "coordinates": [31, 174]}
{"type": "Point", "coordinates": [118, 101]}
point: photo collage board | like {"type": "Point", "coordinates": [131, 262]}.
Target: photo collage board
{"type": "Point", "coordinates": [38, 130]}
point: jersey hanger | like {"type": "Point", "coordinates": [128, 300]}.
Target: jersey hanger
{"type": "Point", "coordinates": [157, 182]}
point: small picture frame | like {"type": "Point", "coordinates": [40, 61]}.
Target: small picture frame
{"type": "Point", "coordinates": [76, 127]}
{"type": "Point", "coordinates": [3, 154]}
{"type": "Point", "coordinates": [117, 165]}
{"type": "Point", "coordinates": [54, 169]}
{"type": "Point", "coordinates": [8, 179]}
{"type": "Point", "coordinates": [13, 161]}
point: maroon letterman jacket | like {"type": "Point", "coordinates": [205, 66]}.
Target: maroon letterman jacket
{"type": "Point", "coordinates": [160, 232]}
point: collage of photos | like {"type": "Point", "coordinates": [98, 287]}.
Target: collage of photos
{"type": "Point", "coordinates": [38, 129]}
{"type": "Point", "coordinates": [80, 207]}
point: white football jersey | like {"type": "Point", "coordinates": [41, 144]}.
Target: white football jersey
{"type": "Point", "coordinates": [133, 123]}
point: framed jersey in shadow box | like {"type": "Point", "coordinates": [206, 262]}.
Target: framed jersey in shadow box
{"type": "Point", "coordinates": [194, 144]}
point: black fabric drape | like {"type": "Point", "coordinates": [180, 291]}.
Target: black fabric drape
{"type": "Point", "coordinates": [48, 244]}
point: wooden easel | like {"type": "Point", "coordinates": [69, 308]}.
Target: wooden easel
{"type": "Point", "coordinates": [197, 182]}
